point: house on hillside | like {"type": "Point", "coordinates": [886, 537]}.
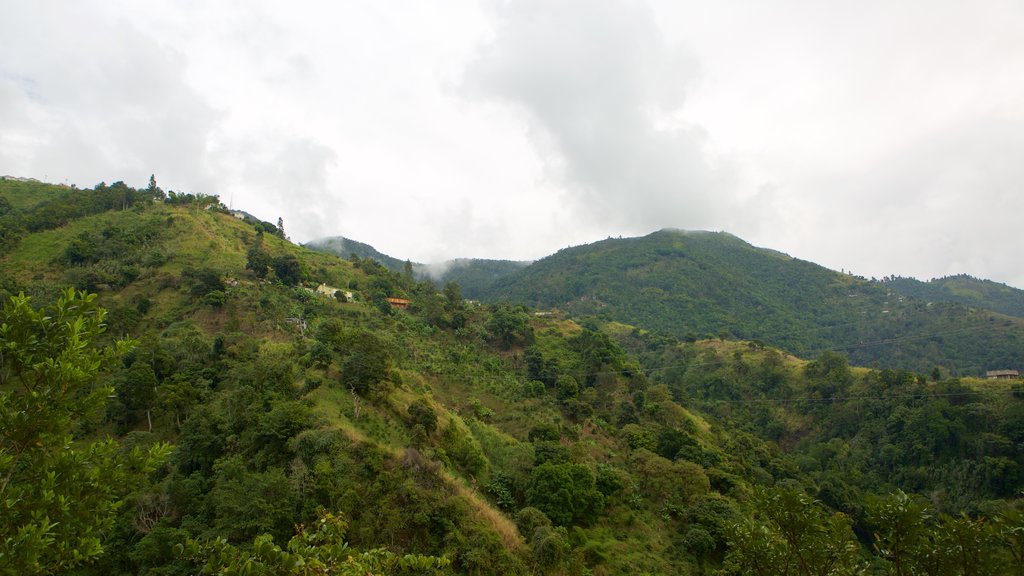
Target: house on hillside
{"type": "Point", "coordinates": [399, 303]}
{"type": "Point", "coordinates": [1002, 374]}
{"type": "Point", "coordinates": [332, 292]}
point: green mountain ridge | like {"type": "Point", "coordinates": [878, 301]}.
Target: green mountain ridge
{"type": "Point", "coordinates": [690, 284]}
{"type": "Point", "coordinates": [501, 440]}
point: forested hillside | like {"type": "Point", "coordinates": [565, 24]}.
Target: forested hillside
{"type": "Point", "coordinates": [697, 284]}
{"type": "Point", "coordinates": [260, 426]}
{"type": "Point", "coordinates": [962, 289]}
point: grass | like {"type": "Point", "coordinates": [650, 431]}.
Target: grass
{"type": "Point", "coordinates": [24, 195]}
{"type": "Point", "coordinates": [335, 406]}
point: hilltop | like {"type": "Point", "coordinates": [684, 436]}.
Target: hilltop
{"type": "Point", "coordinates": [962, 289]}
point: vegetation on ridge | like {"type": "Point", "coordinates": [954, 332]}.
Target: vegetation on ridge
{"type": "Point", "coordinates": [311, 431]}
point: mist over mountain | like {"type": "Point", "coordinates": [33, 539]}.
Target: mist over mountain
{"type": "Point", "coordinates": [474, 275]}
{"type": "Point", "coordinates": [346, 247]}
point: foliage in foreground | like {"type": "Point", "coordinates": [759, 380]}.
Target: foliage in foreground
{"type": "Point", "coordinates": [787, 532]}
{"type": "Point", "coordinates": [316, 550]}
{"type": "Point", "coordinates": [56, 495]}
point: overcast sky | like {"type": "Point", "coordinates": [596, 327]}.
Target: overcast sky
{"type": "Point", "coordinates": [877, 137]}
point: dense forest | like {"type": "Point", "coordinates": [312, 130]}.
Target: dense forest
{"type": "Point", "coordinates": [185, 391]}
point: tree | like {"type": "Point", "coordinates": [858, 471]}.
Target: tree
{"type": "Point", "coordinates": [280, 228]}
{"type": "Point", "coordinates": [566, 493]}
{"type": "Point", "coordinates": [318, 549]}
{"type": "Point", "coordinates": [56, 497]}
{"type": "Point", "coordinates": [421, 413]}
{"type": "Point", "coordinates": [508, 325]}
{"type": "Point", "coordinates": [790, 533]}
{"type": "Point", "coordinates": [368, 364]}
{"type": "Point", "coordinates": [257, 258]}
{"type": "Point", "coordinates": [153, 190]}
{"type": "Point", "coordinates": [288, 269]}
{"type": "Point", "coordinates": [136, 388]}
{"type": "Point", "coordinates": [453, 294]}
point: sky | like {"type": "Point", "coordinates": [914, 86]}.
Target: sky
{"type": "Point", "coordinates": [874, 137]}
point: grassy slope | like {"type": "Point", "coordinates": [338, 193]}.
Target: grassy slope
{"type": "Point", "coordinates": [966, 290]}
{"type": "Point", "coordinates": [23, 195]}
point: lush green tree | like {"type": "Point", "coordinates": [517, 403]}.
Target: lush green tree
{"type": "Point", "coordinates": [422, 414]}
{"type": "Point", "coordinates": [529, 519]}
{"type": "Point", "coordinates": [367, 367]}
{"type": "Point", "coordinates": [550, 546]}
{"type": "Point", "coordinates": [257, 258]}
{"type": "Point", "coordinates": [179, 393]}
{"type": "Point", "coordinates": [57, 497]}
{"type": "Point", "coordinates": [203, 280]}
{"type": "Point", "coordinates": [288, 269]}
{"type": "Point", "coordinates": [913, 540]}
{"type": "Point", "coordinates": [153, 190]}
{"type": "Point", "coordinates": [902, 532]}
{"type": "Point", "coordinates": [464, 450]}
{"type": "Point", "coordinates": [249, 502]}
{"type": "Point", "coordinates": [136, 389]}
{"type": "Point", "coordinates": [314, 550]}
{"type": "Point", "coordinates": [566, 493]}
{"type": "Point", "coordinates": [790, 533]}
{"type": "Point", "coordinates": [1009, 530]}
{"type": "Point", "coordinates": [453, 295]}
{"type": "Point", "coordinates": [508, 325]}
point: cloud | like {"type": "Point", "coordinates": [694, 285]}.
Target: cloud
{"type": "Point", "coordinates": [602, 91]}
{"type": "Point", "coordinates": [946, 203]}
{"type": "Point", "coordinates": [101, 99]}
{"type": "Point", "coordinates": [273, 175]}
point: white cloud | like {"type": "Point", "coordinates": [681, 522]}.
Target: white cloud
{"type": "Point", "coordinates": [602, 90]}
{"type": "Point", "coordinates": [880, 137]}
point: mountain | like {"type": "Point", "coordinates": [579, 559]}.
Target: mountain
{"type": "Point", "coordinates": [472, 274]}
{"type": "Point", "coordinates": [345, 247]}
{"type": "Point", "coordinates": [963, 289]}
{"type": "Point", "coordinates": [695, 284]}
{"type": "Point", "coordinates": [288, 431]}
